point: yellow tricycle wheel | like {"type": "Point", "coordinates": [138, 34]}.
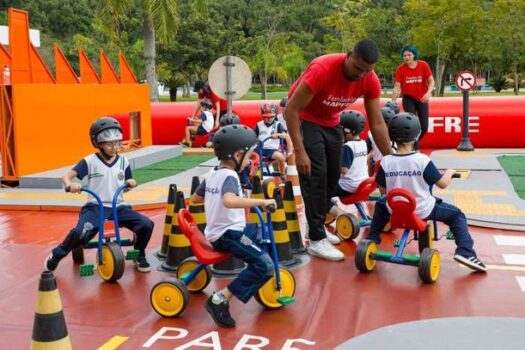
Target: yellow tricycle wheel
{"type": "Point", "coordinates": [200, 281]}
{"type": "Point", "coordinates": [347, 226]}
{"type": "Point", "coordinates": [112, 266]}
{"type": "Point", "coordinates": [169, 297]}
{"type": "Point", "coordinates": [429, 265]}
{"type": "Point", "coordinates": [363, 259]}
{"type": "Point", "coordinates": [268, 294]}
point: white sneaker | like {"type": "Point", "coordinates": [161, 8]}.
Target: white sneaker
{"type": "Point", "coordinates": [334, 239]}
{"type": "Point", "coordinates": [323, 249]}
{"type": "Point", "coordinates": [330, 236]}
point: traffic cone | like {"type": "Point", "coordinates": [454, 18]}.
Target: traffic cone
{"type": "Point", "coordinates": [179, 247]}
{"type": "Point", "coordinates": [280, 232]}
{"type": "Point", "coordinates": [293, 176]}
{"type": "Point", "coordinates": [292, 221]}
{"type": "Point", "coordinates": [170, 213]}
{"type": "Point", "coordinates": [257, 192]}
{"type": "Point", "coordinates": [49, 327]}
{"type": "Point", "coordinates": [197, 209]}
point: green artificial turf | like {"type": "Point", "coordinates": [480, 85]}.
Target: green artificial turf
{"type": "Point", "coordinates": [168, 167]}
{"type": "Point", "coordinates": [514, 166]}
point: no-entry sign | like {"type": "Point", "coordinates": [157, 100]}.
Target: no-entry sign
{"type": "Point", "coordinates": [466, 80]}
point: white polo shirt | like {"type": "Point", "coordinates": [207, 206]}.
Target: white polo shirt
{"type": "Point", "coordinates": [220, 219]}
{"type": "Point", "coordinates": [414, 172]}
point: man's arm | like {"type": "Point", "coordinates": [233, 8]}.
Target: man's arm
{"type": "Point", "coordinates": [300, 99]}
{"type": "Point", "coordinates": [378, 126]}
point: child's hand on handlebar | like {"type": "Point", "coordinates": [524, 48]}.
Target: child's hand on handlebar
{"type": "Point", "coordinates": [75, 188]}
{"type": "Point", "coordinates": [270, 204]}
{"type": "Point", "coordinates": [131, 184]}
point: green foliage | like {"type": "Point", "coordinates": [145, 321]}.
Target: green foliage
{"type": "Point", "coordinates": [278, 38]}
{"type": "Point", "coordinates": [498, 83]}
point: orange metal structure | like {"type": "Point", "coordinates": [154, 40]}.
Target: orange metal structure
{"type": "Point", "coordinates": [45, 119]}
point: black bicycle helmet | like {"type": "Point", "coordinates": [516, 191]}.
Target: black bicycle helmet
{"type": "Point", "coordinates": [352, 121]}
{"type": "Point", "coordinates": [404, 128]}
{"type": "Point", "coordinates": [100, 125]}
{"type": "Point", "coordinates": [283, 102]}
{"type": "Point", "coordinates": [206, 103]}
{"type": "Point", "coordinates": [388, 114]}
{"type": "Point", "coordinates": [227, 120]}
{"type": "Point", "coordinates": [232, 138]}
{"type": "Point", "coordinates": [392, 105]}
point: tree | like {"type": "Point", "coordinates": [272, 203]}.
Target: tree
{"type": "Point", "coordinates": [159, 19]}
{"type": "Point", "coordinates": [448, 29]}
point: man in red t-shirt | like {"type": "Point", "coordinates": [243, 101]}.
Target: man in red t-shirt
{"type": "Point", "coordinates": [330, 84]}
{"type": "Point", "coordinates": [204, 91]}
{"type": "Point", "coordinates": [413, 79]}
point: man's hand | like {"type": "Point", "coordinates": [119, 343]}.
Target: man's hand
{"type": "Point", "coordinates": [302, 161]}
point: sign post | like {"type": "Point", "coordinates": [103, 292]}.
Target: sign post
{"type": "Point", "coordinates": [230, 78]}
{"type": "Point", "coordinates": [465, 81]}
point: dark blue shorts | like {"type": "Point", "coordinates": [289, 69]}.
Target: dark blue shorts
{"type": "Point", "coordinates": [201, 131]}
{"type": "Point", "coordinates": [268, 153]}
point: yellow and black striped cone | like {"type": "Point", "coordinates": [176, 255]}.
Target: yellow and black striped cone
{"type": "Point", "coordinates": [292, 221]}
{"type": "Point", "coordinates": [170, 213]}
{"type": "Point", "coordinates": [49, 327]}
{"type": "Point", "coordinates": [257, 192]}
{"type": "Point", "coordinates": [280, 232]}
{"type": "Point", "coordinates": [197, 209]}
{"type": "Point", "coordinates": [179, 247]}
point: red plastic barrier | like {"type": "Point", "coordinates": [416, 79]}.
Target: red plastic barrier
{"type": "Point", "coordinates": [494, 121]}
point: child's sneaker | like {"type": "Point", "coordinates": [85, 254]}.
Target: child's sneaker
{"type": "Point", "coordinates": [325, 250]}
{"type": "Point", "coordinates": [471, 262]}
{"type": "Point", "coordinates": [220, 313]}
{"type": "Point", "coordinates": [185, 144]}
{"type": "Point", "coordinates": [142, 264]}
{"type": "Point", "coordinates": [51, 262]}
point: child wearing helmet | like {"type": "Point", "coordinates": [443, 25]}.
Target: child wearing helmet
{"type": "Point", "coordinates": [202, 125]}
{"type": "Point", "coordinates": [416, 172]}
{"type": "Point", "coordinates": [374, 152]}
{"type": "Point", "coordinates": [270, 132]}
{"type": "Point", "coordinates": [105, 172]}
{"type": "Point", "coordinates": [226, 229]}
{"type": "Point", "coordinates": [280, 116]}
{"type": "Point", "coordinates": [354, 157]}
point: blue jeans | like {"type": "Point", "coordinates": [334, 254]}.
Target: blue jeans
{"type": "Point", "coordinates": [442, 212]}
{"type": "Point", "coordinates": [243, 245]}
{"type": "Point", "coordinates": [88, 222]}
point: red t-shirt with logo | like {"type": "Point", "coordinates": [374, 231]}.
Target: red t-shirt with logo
{"type": "Point", "coordinates": [332, 91]}
{"type": "Point", "coordinates": [414, 81]}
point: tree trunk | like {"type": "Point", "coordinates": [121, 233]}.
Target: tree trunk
{"type": "Point", "coordinates": [516, 81]}
{"type": "Point", "coordinates": [263, 86]}
{"type": "Point", "coordinates": [173, 94]}
{"type": "Point", "coordinates": [149, 56]}
{"type": "Point", "coordinates": [443, 78]}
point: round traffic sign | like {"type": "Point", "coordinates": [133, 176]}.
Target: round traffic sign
{"type": "Point", "coordinates": [241, 77]}
{"type": "Point", "coordinates": [466, 80]}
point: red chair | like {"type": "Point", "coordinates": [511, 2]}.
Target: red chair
{"type": "Point", "coordinates": [347, 225]}
{"type": "Point", "coordinates": [202, 249]}
{"type": "Point", "coordinates": [403, 205]}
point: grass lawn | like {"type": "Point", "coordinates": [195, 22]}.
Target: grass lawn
{"type": "Point", "coordinates": [168, 167]}
{"type": "Point", "coordinates": [277, 95]}
{"type": "Point", "coordinates": [514, 166]}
